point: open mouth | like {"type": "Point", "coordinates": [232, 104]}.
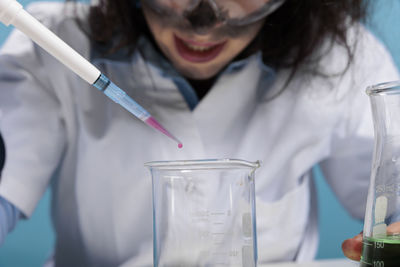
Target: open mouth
{"type": "Point", "coordinates": [198, 52]}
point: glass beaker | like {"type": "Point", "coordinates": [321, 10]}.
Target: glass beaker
{"type": "Point", "coordinates": [381, 236]}
{"type": "Point", "coordinates": [204, 213]}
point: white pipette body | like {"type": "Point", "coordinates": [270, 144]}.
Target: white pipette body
{"type": "Point", "coordinates": [12, 12]}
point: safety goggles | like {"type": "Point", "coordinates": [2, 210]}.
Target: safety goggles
{"type": "Point", "coordinates": [230, 12]}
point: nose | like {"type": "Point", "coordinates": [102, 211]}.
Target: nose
{"type": "Point", "coordinates": [202, 17]}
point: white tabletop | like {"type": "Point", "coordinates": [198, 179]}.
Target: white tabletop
{"type": "Point", "coordinates": [321, 263]}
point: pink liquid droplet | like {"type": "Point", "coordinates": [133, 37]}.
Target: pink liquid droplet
{"type": "Point", "coordinates": [180, 145]}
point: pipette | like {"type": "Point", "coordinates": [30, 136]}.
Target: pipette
{"type": "Point", "coordinates": [12, 12]}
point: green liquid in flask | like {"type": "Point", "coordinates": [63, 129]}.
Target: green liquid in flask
{"type": "Point", "coordinates": [381, 252]}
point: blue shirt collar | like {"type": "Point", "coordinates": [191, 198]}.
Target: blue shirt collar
{"type": "Point", "coordinates": [166, 69]}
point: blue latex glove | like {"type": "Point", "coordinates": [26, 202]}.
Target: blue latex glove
{"type": "Point", "coordinates": [9, 216]}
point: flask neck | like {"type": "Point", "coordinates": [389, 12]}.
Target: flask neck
{"type": "Point", "coordinates": [386, 115]}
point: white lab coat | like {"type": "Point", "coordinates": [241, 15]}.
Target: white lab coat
{"type": "Point", "coordinates": [60, 130]}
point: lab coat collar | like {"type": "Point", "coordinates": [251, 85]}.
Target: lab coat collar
{"type": "Point", "coordinates": [211, 125]}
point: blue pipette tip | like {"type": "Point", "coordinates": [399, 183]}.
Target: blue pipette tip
{"type": "Point", "coordinates": [156, 125]}
{"type": "Point", "coordinates": [119, 96]}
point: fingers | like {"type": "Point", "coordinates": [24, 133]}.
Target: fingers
{"type": "Point", "coordinates": [352, 247]}
{"type": "Point", "coordinates": [393, 229]}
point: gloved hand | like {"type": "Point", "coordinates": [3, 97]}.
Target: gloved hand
{"type": "Point", "coordinates": [9, 216]}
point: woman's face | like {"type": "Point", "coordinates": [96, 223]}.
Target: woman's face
{"type": "Point", "coordinates": [198, 56]}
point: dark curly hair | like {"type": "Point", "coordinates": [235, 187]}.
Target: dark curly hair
{"type": "Point", "coordinates": [288, 38]}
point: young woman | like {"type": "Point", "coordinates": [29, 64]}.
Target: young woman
{"type": "Point", "coordinates": [281, 81]}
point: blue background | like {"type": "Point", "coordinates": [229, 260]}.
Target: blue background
{"type": "Point", "coordinates": [31, 242]}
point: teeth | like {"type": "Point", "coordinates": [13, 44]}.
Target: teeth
{"type": "Point", "coordinates": [198, 48]}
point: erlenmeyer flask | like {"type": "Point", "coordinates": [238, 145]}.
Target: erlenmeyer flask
{"type": "Point", "coordinates": [381, 237]}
